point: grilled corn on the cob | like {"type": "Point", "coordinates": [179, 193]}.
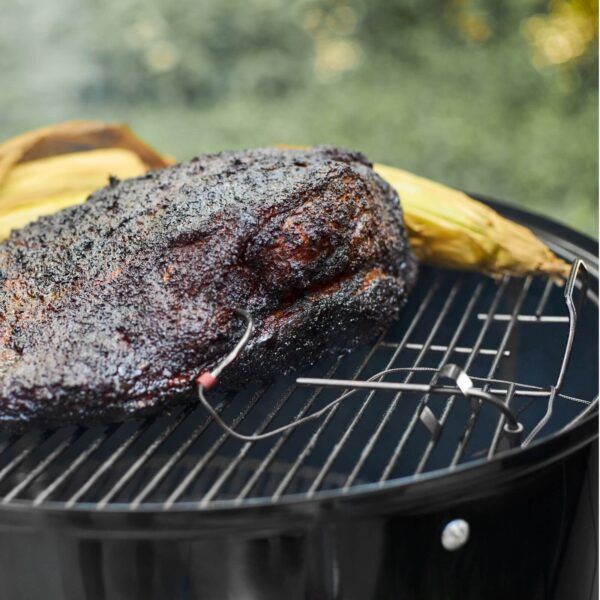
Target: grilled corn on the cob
{"type": "Point", "coordinates": [41, 187]}
{"type": "Point", "coordinates": [449, 229]}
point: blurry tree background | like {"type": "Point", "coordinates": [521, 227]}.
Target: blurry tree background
{"type": "Point", "coordinates": [492, 97]}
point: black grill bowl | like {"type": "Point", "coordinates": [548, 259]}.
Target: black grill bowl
{"type": "Point", "coordinates": [352, 506]}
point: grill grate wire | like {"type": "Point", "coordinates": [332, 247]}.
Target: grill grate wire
{"type": "Point", "coordinates": [488, 328]}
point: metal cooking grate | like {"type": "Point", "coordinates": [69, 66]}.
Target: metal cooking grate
{"type": "Point", "coordinates": [511, 333]}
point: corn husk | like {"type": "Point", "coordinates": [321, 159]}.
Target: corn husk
{"type": "Point", "coordinates": [74, 136]}
{"type": "Point", "coordinates": [447, 228]}
{"type": "Point", "coordinates": [44, 171]}
{"type": "Point", "coordinates": [47, 185]}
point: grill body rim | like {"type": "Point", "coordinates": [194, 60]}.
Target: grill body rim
{"type": "Point", "coordinates": [470, 482]}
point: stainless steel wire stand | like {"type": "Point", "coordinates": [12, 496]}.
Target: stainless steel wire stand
{"type": "Point", "coordinates": [464, 385]}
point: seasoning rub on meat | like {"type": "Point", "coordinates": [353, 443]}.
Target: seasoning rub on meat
{"type": "Point", "coordinates": [111, 309]}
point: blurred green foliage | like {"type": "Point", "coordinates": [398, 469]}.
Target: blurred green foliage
{"type": "Point", "coordinates": [496, 98]}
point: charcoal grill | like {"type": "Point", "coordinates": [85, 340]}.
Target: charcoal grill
{"type": "Point", "coordinates": [401, 494]}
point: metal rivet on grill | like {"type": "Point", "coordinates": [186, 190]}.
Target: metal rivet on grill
{"type": "Point", "coordinates": [455, 534]}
